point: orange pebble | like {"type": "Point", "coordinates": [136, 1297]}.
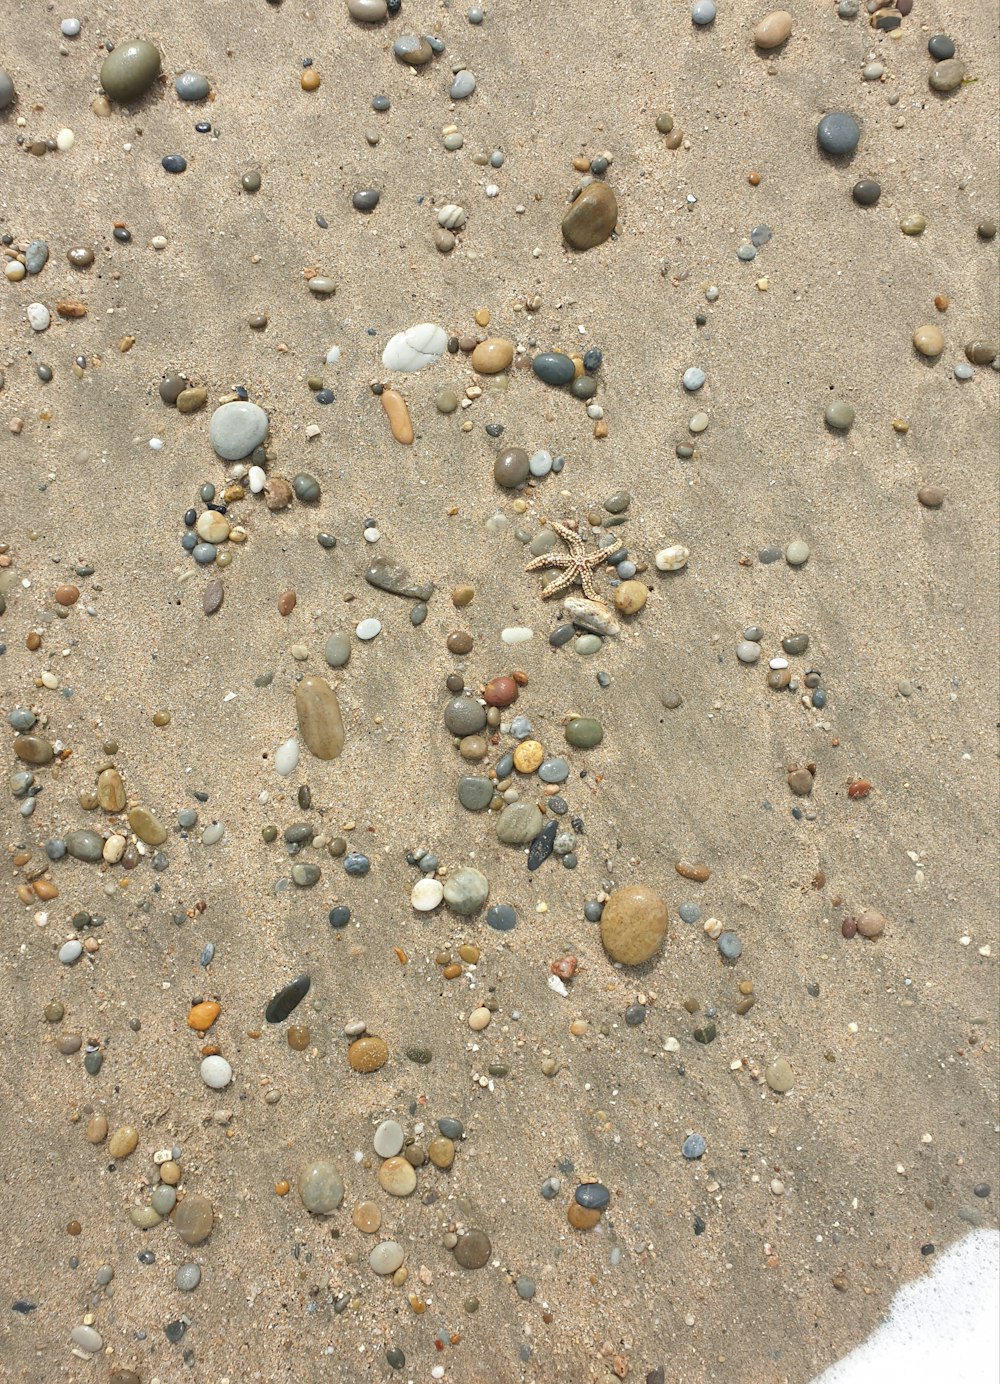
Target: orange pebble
{"type": "Point", "coordinates": [753, 179]}
{"type": "Point", "coordinates": [202, 1016]}
{"type": "Point", "coordinates": [310, 79]}
{"type": "Point", "coordinates": [282, 1188]}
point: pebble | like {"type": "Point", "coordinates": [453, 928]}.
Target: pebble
{"type": "Point", "coordinates": [194, 1218]}
{"type": "Point", "coordinates": [38, 317]}
{"type": "Point", "coordinates": [187, 1277]}
{"type": "Point", "coordinates": [318, 711]}
{"type": "Point", "coordinates": [672, 559]}
{"type": "Point", "coordinates": [288, 998]}
{"type": "Point", "coordinates": [473, 1249]}
{"type": "Point", "coordinates": [693, 378]}
{"type": "Point", "coordinates": [236, 429]}
{"type": "Point", "coordinates": [931, 496]}
{"type": "Point", "coordinates": [320, 1187]}
{"type": "Point", "coordinates": [70, 952]}
{"type": "Point", "coordinates": [367, 1054]}
{"type": "Point", "coordinates": [797, 553]}
{"type": "Point", "coordinates": [191, 86]}
{"type": "Point", "coordinates": [501, 917]}
{"type": "Point", "coordinates": [519, 823]}
{"type": "Point", "coordinates": [553, 367]}
{"type": "Point", "coordinates": [871, 923]}
{"type": "Point", "coordinates": [838, 133]}
{"type": "Point", "coordinates": [490, 357]}
{"type": "Point", "coordinates": [388, 1139]}
{"type": "Point", "coordinates": [123, 1142]}
{"type": "Point", "coordinates": [365, 199]}
{"type": "Point", "coordinates": [584, 732]}
{"type": "Point", "coordinates": [466, 891]}
{"type": "Point", "coordinates": [87, 1339]}
{"type": "Point", "coordinates": [866, 192]}
{"type": "Point", "coordinates": [946, 76]}
{"type": "Point", "coordinates": [633, 924]}
{"type": "Point", "coordinates": [779, 1076]}
{"type": "Point", "coordinates": [593, 1195]}
{"type": "Point", "coordinates": [773, 30]}
{"type": "Point", "coordinates": [415, 348]}
{"type": "Point", "coordinates": [591, 217]}
{"type": "Point", "coordinates": [367, 11]}
{"type": "Point", "coordinates": [216, 1073]}
{"type": "Point", "coordinates": [286, 757]}
{"type": "Point", "coordinates": [929, 341]}
{"type": "Point", "coordinates": [129, 71]}
{"type": "Point", "coordinates": [413, 50]}
{"type": "Point", "coordinates": [426, 894]}
{"type": "Point", "coordinates": [82, 844]}
{"type": "Point", "coordinates": [839, 415]}
{"type": "Point", "coordinates": [940, 47]}
{"type": "Point", "coordinates": [396, 1176]}
{"type": "Point", "coordinates": [913, 224]}
{"type": "Point", "coordinates": [463, 85]}
{"type": "Point", "coordinates": [703, 12]}
{"type": "Point", "coordinates": [386, 1258]}
{"type": "Point", "coordinates": [475, 793]}
{"type": "Point", "coordinates": [7, 92]}
{"type": "Point", "coordinates": [394, 407]}
{"type": "Point", "coordinates": [694, 1146]}
{"type": "Point", "coordinates": [730, 946]}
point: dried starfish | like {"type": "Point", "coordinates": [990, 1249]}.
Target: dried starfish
{"type": "Point", "coordinates": [577, 565]}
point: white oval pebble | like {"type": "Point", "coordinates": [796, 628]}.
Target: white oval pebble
{"type": "Point", "coordinates": [672, 559]}
{"type": "Point", "coordinates": [415, 348]}
{"type": "Point", "coordinates": [213, 833]}
{"type": "Point", "coordinates": [156, 444]}
{"type": "Point", "coordinates": [14, 272]}
{"type": "Point", "coordinates": [540, 464]}
{"type": "Point", "coordinates": [159, 242]}
{"type": "Point", "coordinates": [286, 757]}
{"type": "Point", "coordinates": [369, 628]}
{"type": "Point", "coordinates": [451, 217]}
{"type": "Point", "coordinates": [777, 662]}
{"type": "Point", "coordinates": [87, 1339]}
{"type": "Point", "coordinates": [386, 1258]}
{"type": "Point", "coordinates": [216, 1073]}
{"type": "Point", "coordinates": [70, 952]}
{"type": "Point", "coordinates": [372, 535]}
{"type": "Point", "coordinates": [69, 28]}
{"type": "Point", "coordinates": [257, 478]}
{"type": "Point", "coordinates": [693, 379]}
{"type": "Point", "coordinates": [516, 634]}
{"type": "Point", "coordinates": [38, 317]}
{"type": "Point", "coordinates": [698, 423]}
{"type": "Point", "coordinates": [492, 190]}
{"type": "Point", "coordinates": [65, 139]}
{"type": "Point", "coordinates": [748, 651]}
{"type": "Point", "coordinates": [426, 894]}
{"type": "Point", "coordinates": [388, 1139]}
{"type": "Point", "coordinates": [333, 355]}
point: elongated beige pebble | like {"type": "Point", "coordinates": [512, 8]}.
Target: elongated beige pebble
{"type": "Point", "coordinates": [773, 29]}
{"type": "Point", "coordinates": [398, 415]}
{"type": "Point", "coordinates": [320, 721]}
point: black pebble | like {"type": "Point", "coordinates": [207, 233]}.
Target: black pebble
{"type": "Point", "coordinates": [866, 193]}
{"type": "Point", "coordinates": [940, 46]}
{"type": "Point", "coordinates": [541, 848]}
{"type": "Point", "coordinates": [287, 999]}
{"type": "Point", "coordinates": [174, 163]}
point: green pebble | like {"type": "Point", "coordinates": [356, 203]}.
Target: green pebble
{"type": "Point", "coordinates": [839, 415]}
{"type": "Point", "coordinates": [795, 644]}
{"type": "Point", "coordinates": [250, 182]}
{"type": "Point", "coordinates": [915, 224]}
{"type": "Point", "coordinates": [269, 834]}
{"type": "Point", "coordinates": [664, 123]}
{"type": "Point", "coordinates": [129, 71]}
{"type": "Point", "coordinates": [583, 387]}
{"type": "Point", "coordinates": [446, 401]}
{"type": "Point", "coordinates": [306, 488]}
{"type": "Point", "coordinates": [421, 1056]}
{"type": "Point", "coordinates": [588, 644]}
{"type": "Point", "coordinates": [705, 1034]}
{"type": "Point", "coordinates": [305, 876]}
{"type": "Point", "coordinates": [584, 733]}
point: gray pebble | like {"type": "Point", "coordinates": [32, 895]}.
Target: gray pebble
{"type": "Point", "coordinates": [475, 793]}
{"type": "Point", "coordinates": [703, 12]}
{"type": "Point", "coordinates": [553, 770]}
{"type": "Point", "coordinates": [463, 86]}
{"type": "Point", "coordinates": [70, 952]}
{"type": "Point", "coordinates": [730, 946]}
{"type": "Point", "coordinates": [592, 911]}
{"type": "Point", "coordinates": [188, 1277]}
{"type": "Point", "coordinates": [36, 256]}
{"type": "Point", "coordinates": [838, 133]}
{"type": "Point", "coordinates": [192, 86]}
{"type": "Point", "coordinates": [337, 651]}
{"type": "Point", "coordinates": [693, 1146]}
{"type": "Point", "coordinates": [525, 1287]}
{"type": "Point", "coordinates": [689, 912]}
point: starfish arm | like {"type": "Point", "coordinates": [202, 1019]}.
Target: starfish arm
{"type": "Point", "coordinates": [562, 583]}
{"type": "Point", "coordinates": [539, 564]}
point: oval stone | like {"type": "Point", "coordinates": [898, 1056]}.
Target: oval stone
{"type": "Point", "coordinates": [33, 749]}
{"type": "Point", "coordinates": [519, 824]}
{"type": "Point", "coordinates": [492, 356]}
{"type": "Point", "coordinates": [321, 1188]}
{"type": "Point", "coordinates": [473, 1250]}
{"type": "Point", "coordinates": [337, 651]}
{"type": "Point", "coordinates": [633, 924]}
{"type": "Point", "coordinates": [584, 733]}
{"type": "Point", "coordinates": [773, 30]}
{"type": "Point", "coordinates": [367, 11]}
{"type": "Point", "coordinates": [397, 1177]}
{"type": "Point", "coordinates": [236, 429]}
{"type": "Point", "coordinates": [386, 1258]}
{"type": "Point", "coordinates": [110, 790]}
{"type": "Point", "coordinates": [554, 367]}
{"type": "Point", "coordinates": [947, 75]}
{"type": "Point", "coordinates": [591, 218]}
{"type": "Point", "coordinates": [464, 716]}
{"type": "Point", "coordinates": [287, 999]}
{"type": "Point", "coordinates": [466, 891]}
{"type": "Point", "coordinates": [147, 827]}
{"type": "Point", "coordinates": [511, 468]}
{"type": "Point", "coordinates": [194, 1218]}
{"type": "Point", "coordinates": [368, 1053]}
{"type": "Point", "coordinates": [84, 845]}
{"type": "Point", "coordinates": [129, 72]}
{"type": "Point", "coordinates": [320, 723]}
{"type": "Point", "coordinates": [123, 1142]}
{"type": "Point", "coordinates": [838, 133]}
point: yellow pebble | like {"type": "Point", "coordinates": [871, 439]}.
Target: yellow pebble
{"type": "Point", "coordinates": [528, 756]}
{"type": "Point", "coordinates": [482, 317]}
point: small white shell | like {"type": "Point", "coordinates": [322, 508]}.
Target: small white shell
{"type": "Point", "coordinates": [415, 348]}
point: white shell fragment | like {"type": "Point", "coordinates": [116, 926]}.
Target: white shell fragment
{"type": "Point", "coordinates": [415, 348]}
{"type": "Point", "coordinates": [672, 559]}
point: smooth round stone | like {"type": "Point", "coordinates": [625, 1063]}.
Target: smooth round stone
{"type": "Point", "coordinates": [194, 1218]}
{"type": "Point", "coordinates": [773, 30]}
{"type": "Point", "coordinates": [940, 47]}
{"type": "Point", "coordinates": [386, 1258]}
{"type": "Point", "coordinates": [540, 464]}
{"type": "Point", "coordinates": [779, 1076]}
{"type": "Point", "coordinates": [34, 749]}
{"type": "Point", "coordinates": [451, 1128]}
{"type": "Point", "coordinates": [367, 1054]}
{"type": "Point", "coordinates": [21, 718]}
{"type": "Point", "coordinates": [588, 644]}
{"type": "Point", "coordinates": [38, 316]}
{"type": "Point", "coordinates": [70, 952]}
{"type": "Point", "coordinates": [797, 553]}
{"type": "Point", "coordinates": [594, 1195]}
{"type": "Point", "coordinates": [368, 629]}
{"type": "Point", "coordinates": [511, 467]}
{"type": "Point", "coordinates": [553, 770]}
{"type": "Point", "coordinates": [123, 1142]}
{"type": "Point", "coordinates": [475, 793]}
{"type": "Point", "coordinates": [188, 1277]}
{"type": "Point", "coordinates": [87, 1339]}
{"type": "Point", "coordinates": [129, 72]}
{"type": "Point", "coordinates": [501, 917]}
{"type": "Point", "coordinates": [698, 423]}
{"type": "Point", "coordinates": [871, 923]}
{"type": "Point", "coordinates": [689, 912]}
{"type": "Point", "coordinates": [463, 85]}
{"type": "Point", "coordinates": [192, 86]}
{"type": "Point", "coordinates": [356, 864]}
{"type": "Point", "coordinates": [929, 341]}
{"type": "Point", "coordinates": [367, 11]}
{"type": "Point", "coordinates": [464, 716]}
{"type": "Point", "coordinates": [730, 946]}
{"type": "Point", "coordinates": [473, 1250]}
{"type": "Point", "coordinates": [164, 1199]}
{"type": "Point", "coordinates": [337, 651]}
{"type": "Point", "coordinates": [147, 827]}
{"type": "Point", "coordinates": [839, 415]}
{"type": "Point", "coordinates": [236, 429]}
{"type": "Point", "coordinates": [286, 757]}
{"type": "Point", "coordinates": [412, 49]}
{"type": "Point", "coordinates": [866, 192]}
{"type": "Point", "coordinates": [693, 378]}
{"type": "Point", "coordinates": [84, 845]}
{"type": "Point", "coordinates": [519, 823]}
{"type": "Point", "coordinates": [321, 1188]}
{"type": "Point", "coordinates": [703, 12]}
{"type": "Point", "coordinates": [212, 527]}
{"type": "Point", "coordinates": [913, 224]}
{"type": "Point", "coordinates": [748, 651]}
{"type": "Point", "coordinates": [838, 133]}
{"type": "Point", "coordinates": [388, 1139]}
{"type": "Point", "coordinates": [426, 894]}
{"type": "Point", "coordinates": [320, 722]}
{"type": "Point", "coordinates": [204, 553]}
{"type": "Point", "coordinates": [981, 352]}
{"type": "Point", "coordinates": [584, 732]}
{"type": "Point", "coordinates": [947, 75]}
{"type": "Point", "coordinates": [553, 367]}
{"type": "Point", "coordinates": [694, 1146]}
{"type": "Point", "coordinates": [398, 1177]}
{"type": "Point", "coordinates": [491, 356]}
{"type": "Point", "coordinates": [216, 1073]}
{"type": "Point", "coordinates": [365, 199]}
{"type": "Point", "coordinates": [466, 891]}
{"type": "Point", "coordinates": [633, 924]}
{"type": "Point", "coordinates": [591, 218]}
{"type": "Point", "coordinates": [306, 488]}
{"type": "Point", "coordinates": [7, 92]}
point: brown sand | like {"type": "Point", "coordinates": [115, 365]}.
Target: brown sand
{"type": "Point", "coordinates": [891, 1119]}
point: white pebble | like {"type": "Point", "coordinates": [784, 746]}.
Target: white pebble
{"type": "Point", "coordinates": [65, 140]}
{"type": "Point", "coordinates": [368, 629]}
{"type": "Point", "coordinates": [672, 559]}
{"type": "Point", "coordinates": [257, 479]}
{"type": "Point", "coordinates": [415, 348]}
{"type": "Point", "coordinates": [14, 272]}
{"type": "Point", "coordinates": [156, 444]}
{"type": "Point", "coordinates": [286, 757]}
{"type": "Point", "coordinates": [516, 634]}
{"type": "Point", "coordinates": [333, 355]}
{"type": "Point", "coordinates": [777, 662]}
{"type": "Point", "coordinates": [693, 378]}
{"type": "Point", "coordinates": [426, 894]}
{"type": "Point", "coordinates": [159, 242]}
{"type": "Point", "coordinates": [554, 983]}
{"type": "Point", "coordinates": [372, 535]}
{"type": "Point", "coordinates": [69, 28]}
{"type": "Point", "coordinates": [216, 1073]}
{"type": "Point", "coordinates": [492, 190]}
{"type": "Point", "coordinates": [38, 317]}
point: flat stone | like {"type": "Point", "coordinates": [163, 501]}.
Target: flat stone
{"type": "Point", "coordinates": [386, 1258]}
{"type": "Point", "coordinates": [320, 723]}
{"type": "Point", "coordinates": [584, 732]}
{"type": "Point", "coordinates": [946, 76]}
{"type": "Point", "coordinates": [386, 575]}
{"type": "Point", "coordinates": [473, 1249]}
{"type": "Point", "coordinates": [194, 1218]}
{"type": "Point", "coordinates": [367, 11]}
{"type": "Point", "coordinates": [287, 999]}
{"type": "Point", "coordinates": [191, 86]}
{"type": "Point", "coordinates": [87, 1339]}
{"type": "Point", "coordinates": [492, 355]}
{"type": "Point", "coordinates": [321, 1188]}
{"type": "Point", "coordinates": [129, 71]}
{"type": "Point", "coordinates": [146, 826]}
{"type": "Point", "coordinates": [286, 757]}
{"type": "Point", "coordinates": [633, 924]}
{"type": "Point", "coordinates": [236, 429]}
{"type": "Point", "coordinates": [475, 793]}
{"type": "Point", "coordinates": [412, 49]}
{"type": "Point", "coordinates": [553, 367]}
{"type": "Point", "coordinates": [519, 823]}
{"type": "Point", "coordinates": [397, 1177]}
{"type": "Point", "coordinates": [388, 1139]}
{"type": "Point", "coordinates": [590, 615]}
{"type": "Point", "coordinates": [466, 891]}
{"type": "Point", "coordinates": [779, 1076]}
{"type": "Point", "coordinates": [591, 218]}
{"type": "Point", "coordinates": [84, 845]}
{"type": "Point", "coordinates": [368, 1053]}
{"type": "Point", "coordinates": [464, 716]}
{"type": "Point", "coordinates": [415, 348]}
{"type": "Point", "coordinates": [33, 749]}
{"type": "Point", "coordinates": [554, 770]}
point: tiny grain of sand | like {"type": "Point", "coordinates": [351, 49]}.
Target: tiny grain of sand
{"type": "Point", "coordinates": [781, 1247]}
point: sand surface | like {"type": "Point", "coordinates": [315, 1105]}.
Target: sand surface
{"type": "Point", "coordinates": [891, 1120]}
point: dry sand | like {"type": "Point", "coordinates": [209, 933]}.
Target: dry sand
{"type": "Point", "coordinates": [891, 1121]}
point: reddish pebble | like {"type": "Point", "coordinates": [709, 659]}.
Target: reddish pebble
{"type": "Point", "coordinates": [500, 692]}
{"type": "Point", "coordinates": [67, 595]}
{"type": "Point", "coordinates": [286, 602]}
{"type": "Point", "coordinates": [859, 788]}
{"type": "Point", "coordinates": [848, 927]}
{"type": "Point", "coordinates": [564, 968]}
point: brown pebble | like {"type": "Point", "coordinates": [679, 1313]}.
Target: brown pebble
{"type": "Point", "coordinates": [67, 595]}
{"type": "Point", "coordinates": [298, 1037]}
{"type": "Point", "coordinates": [287, 602]}
{"type": "Point", "coordinates": [459, 642]}
{"type": "Point", "coordinates": [212, 596]}
{"type": "Point", "coordinates": [582, 1217]}
{"type": "Point", "coordinates": [931, 496]}
{"type": "Point", "coordinates": [398, 416]}
{"type": "Point", "coordinates": [800, 781]}
{"type": "Point", "coordinates": [367, 1054]}
{"type": "Point", "coordinates": [441, 1152]}
{"type": "Point", "coordinates": [97, 1129]}
{"type": "Point", "coordinates": [71, 307]}
{"type": "Point", "coordinates": [462, 596]}
{"type": "Point", "coordinates": [687, 870]}
{"type": "Point", "coordinates": [848, 928]}
{"type": "Point", "coordinates": [277, 493]}
{"type": "Point", "coordinates": [500, 692]}
{"type": "Point", "coordinates": [942, 303]}
{"type": "Point", "coordinates": [80, 256]}
{"type": "Point", "coordinates": [630, 597]}
{"type": "Point", "coordinates": [871, 923]}
{"type": "Point", "coordinates": [123, 1142]}
{"type": "Point", "coordinates": [310, 80]}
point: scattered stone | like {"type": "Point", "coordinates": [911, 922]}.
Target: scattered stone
{"type": "Point", "coordinates": [591, 218]}
{"type": "Point", "coordinates": [779, 1076]}
{"type": "Point", "coordinates": [129, 72]}
{"type": "Point", "coordinates": [320, 723]}
{"type": "Point", "coordinates": [289, 997]}
{"type": "Point", "coordinates": [633, 924]}
{"type": "Point", "coordinates": [838, 133]}
{"type": "Point", "coordinates": [236, 429]}
{"type": "Point", "coordinates": [321, 1188]}
{"type": "Point", "coordinates": [194, 1218]}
